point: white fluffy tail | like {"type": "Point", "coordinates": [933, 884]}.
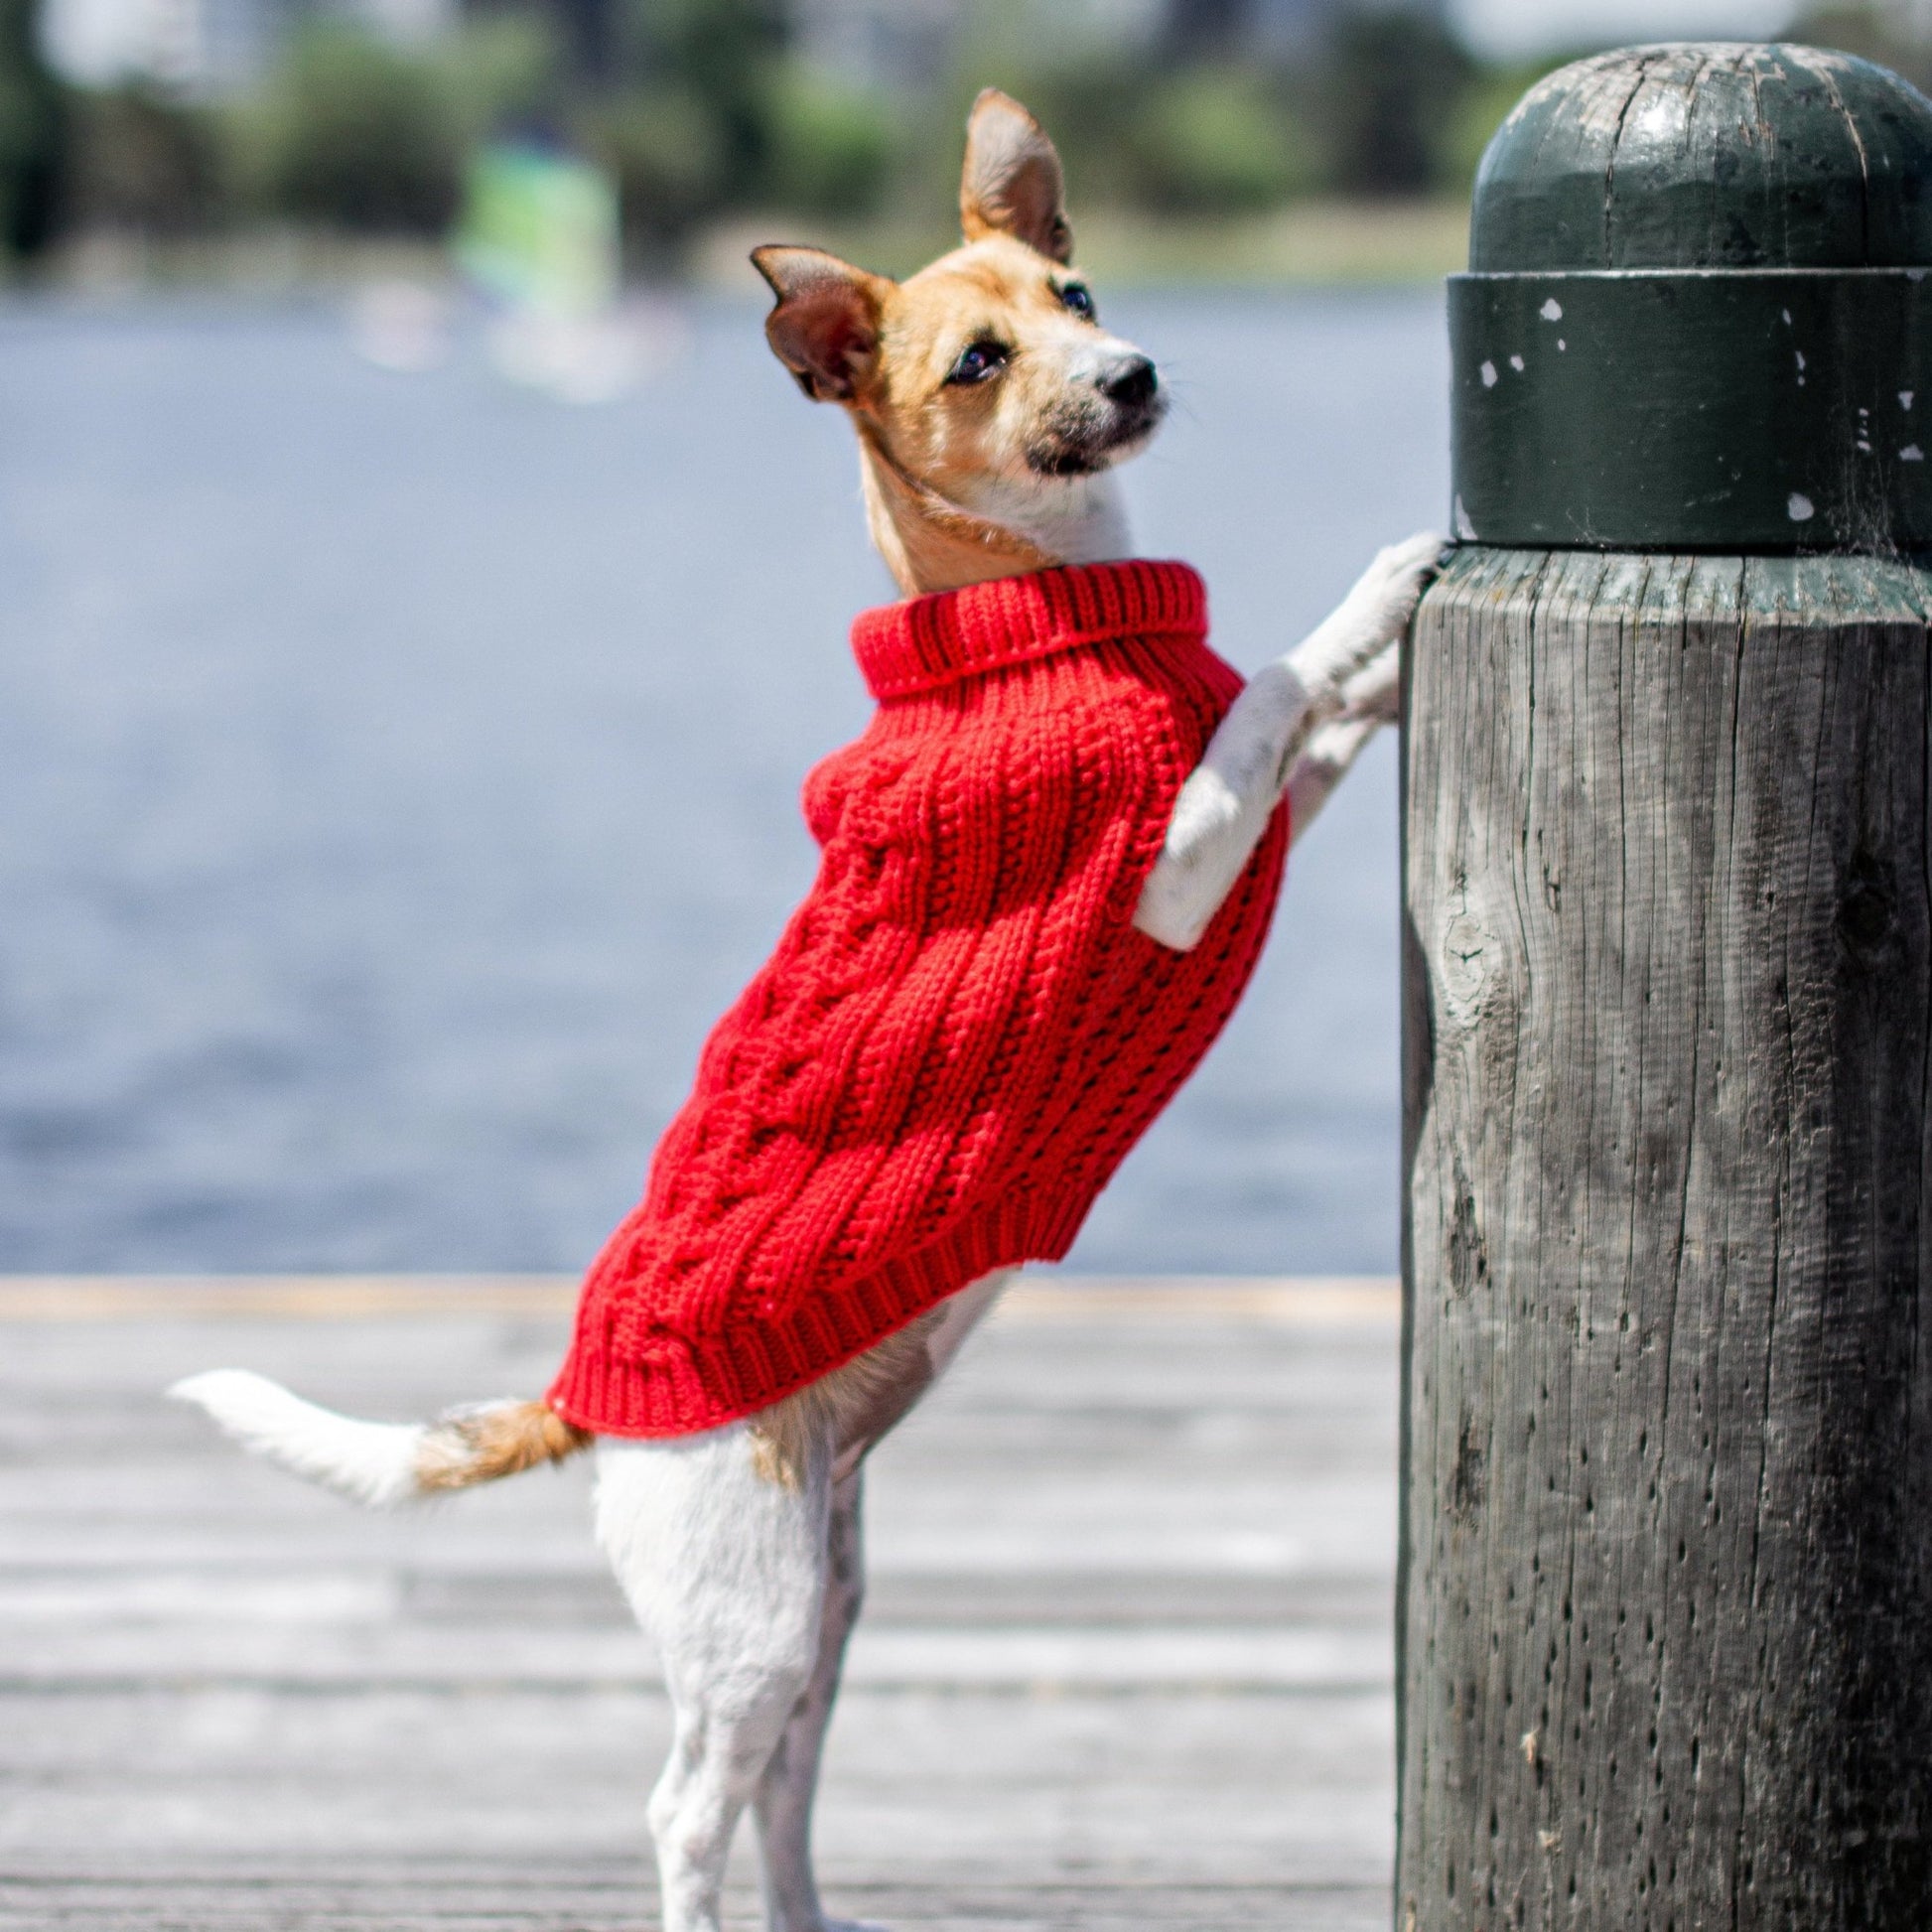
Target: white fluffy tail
{"type": "Point", "coordinates": [381, 1463]}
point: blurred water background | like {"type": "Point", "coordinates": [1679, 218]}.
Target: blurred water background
{"type": "Point", "coordinates": [398, 767]}
{"type": "Point", "coordinates": [398, 774]}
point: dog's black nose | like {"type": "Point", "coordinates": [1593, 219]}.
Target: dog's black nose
{"type": "Point", "coordinates": [1133, 384]}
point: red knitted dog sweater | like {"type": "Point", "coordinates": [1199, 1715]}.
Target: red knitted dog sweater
{"type": "Point", "coordinates": [960, 1034]}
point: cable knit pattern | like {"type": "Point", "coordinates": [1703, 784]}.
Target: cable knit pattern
{"type": "Point", "coordinates": [960, 1034]}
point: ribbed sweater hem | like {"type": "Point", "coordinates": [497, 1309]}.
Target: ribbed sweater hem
{"type": "Point", "coordinates": [599, 1390]}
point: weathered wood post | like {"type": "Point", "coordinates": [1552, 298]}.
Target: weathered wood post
{"type": "Point", "coordinates": [1666, 1606]}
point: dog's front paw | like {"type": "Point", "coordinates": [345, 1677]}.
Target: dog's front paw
{"type": "Point", "coordinates": [1373, 695]}
{"type": "Point", "coordinates": [1373, 615]}
{"type": "Point", "coordinates": [1392, 586]}
{"type": "Point", "coordinates": [1417, 558]}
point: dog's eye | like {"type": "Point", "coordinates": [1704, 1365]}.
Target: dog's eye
{"type": "Point", "coordinates": [1078, 298]}
{"type": "Point", "coordinates": [978, 361]}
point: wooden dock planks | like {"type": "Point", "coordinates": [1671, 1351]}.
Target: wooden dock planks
{"type": "Point", "coordinates": [1126, 1660]}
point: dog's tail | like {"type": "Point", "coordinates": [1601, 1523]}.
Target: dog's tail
{"type": "Point", "coordinates": [381, 1464]}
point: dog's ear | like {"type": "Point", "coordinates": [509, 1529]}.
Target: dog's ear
{"type": "Point", "coordinates": [825, 328]}
{"type": "Point", "coordinates": [1011, 183]}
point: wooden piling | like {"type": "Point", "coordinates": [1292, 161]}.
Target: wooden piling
{"type": "Point", "coordinates": [1665, 1618]}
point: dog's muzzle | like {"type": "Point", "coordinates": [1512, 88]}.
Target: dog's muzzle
{"type": "Point", "coordinates": [1120, 406]}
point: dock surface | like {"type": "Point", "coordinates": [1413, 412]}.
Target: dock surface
{"type": "Point", "coordinates": [1126, 1660]}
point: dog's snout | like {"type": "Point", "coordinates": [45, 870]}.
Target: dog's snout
{"type": "Point", "coordinates": [1109, 405]}
{"type": "Point", "coordinates": [1131, 383]}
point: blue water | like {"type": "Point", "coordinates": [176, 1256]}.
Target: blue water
{"type": "Point", "coordinates": [398, 775]}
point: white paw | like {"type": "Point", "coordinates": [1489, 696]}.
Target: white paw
{"type": "Point", "coordinates": [1373, 615]}
{"type": "Point", "coordinates": [1392, 584]}
{"type": "Point", "coordinates": [1425, 552]}
{"type": "Point", "coordinates": [1374, 694]}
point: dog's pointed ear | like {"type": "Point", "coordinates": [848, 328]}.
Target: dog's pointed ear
{"type": "Point", "coordinates": [825, 327]}
{"type": "Point", "coordinates": [1011, 183]}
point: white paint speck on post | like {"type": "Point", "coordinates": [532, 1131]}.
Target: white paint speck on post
{"type": "Point", "coordinates": [1488, 376]}
{"type": "Point", "coordinates": [1911, 453]}
{"type": "Point", "coordinates": [1561, 344]}
{"type": "Point", "coordinates": [1552, 310]}
{"type": "Point", "coordinates": [1799, 508]}
{"type": "Point", "coordinates": [1464, 527]}
{"type": "Point", "coordinates": [1516, 363]}
{"type": "Point", "coordinates": [1905, 398]}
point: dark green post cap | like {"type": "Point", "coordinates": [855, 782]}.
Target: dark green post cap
{"type": "Point", "coordinates": [1696, 316]}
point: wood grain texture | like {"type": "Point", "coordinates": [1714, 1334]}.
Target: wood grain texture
{"type": "Point", "coordinates": [1125, 1661]}
{"type": "Point", "coordinates": [1665, 1630]}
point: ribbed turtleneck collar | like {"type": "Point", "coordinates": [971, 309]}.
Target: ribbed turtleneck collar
{"type": "Point", "coordinates": [929, 641]}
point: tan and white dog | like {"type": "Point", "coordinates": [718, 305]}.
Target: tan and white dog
{"type": "Point", "coordinates": [992, 409]}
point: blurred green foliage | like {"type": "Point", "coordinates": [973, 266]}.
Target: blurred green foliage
{"type": "Point", "coordinates": [722, 57]}
{"type": "Point", "coordinates": [1390, 91]}
{"type": "Point", "coordinates": [1219, 140]}
{"type": "Point", "coordinates": [1376, 109]}
{"type": "Point", "coordinates": [830, 148]}
{"type": "Point", "coordinates": [701, 109]}
{"type": "Point", "coordinates": [34, 136]}
{"type": "Point", "coordinates": [355, 134]}
{"type": "Point", "coordinates": [504, 69]}
{"type": "Point", "coordinates": [669, 154]}
{"type": "Point", "coordinates": [141, 163]}
{"type": "Point", "coordinates": [351, 134]}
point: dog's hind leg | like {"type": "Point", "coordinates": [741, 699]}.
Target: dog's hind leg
{"type": "Point", "coordinates": [726, 1570]}
{"type": "Point", "coordinates": [859, 1410]}
{"type": "Point", "coordinates": [785, 1793]}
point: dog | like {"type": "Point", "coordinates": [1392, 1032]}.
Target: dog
{"type": "Point", "coordinates": [993, 410]}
